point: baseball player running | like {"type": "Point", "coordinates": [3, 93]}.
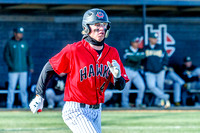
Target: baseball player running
{"type": "Point", "coordinates": [90, 65]}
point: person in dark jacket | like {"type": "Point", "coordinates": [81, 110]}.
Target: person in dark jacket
{"type": "Point", "coordinates": [18, 59]}
{"type": "Point", "coordinates": [191, 75]}
{"type": "Point", "coordinates": [155, 61]}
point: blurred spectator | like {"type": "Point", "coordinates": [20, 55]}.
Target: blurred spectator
{"type": "Point", "coordinates": [55, 91]}
{"type": "Point", "coordinates": [155, 61]}
{"type": "Point", "coordinates": [17, 56]}
{"type": "Point", "coordinates": [108, 95]}
{"type": "Point", "coordinates": [111, 99]}
{"type": "Point", "coordinates": [133, 56]}
{"type": "Point", "coordinates": [173, 80]}
{"type": "Point", "coordinates": [191, 74]}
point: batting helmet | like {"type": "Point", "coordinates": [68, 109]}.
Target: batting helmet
{"type": "Point", "coordinates": [94, 16]}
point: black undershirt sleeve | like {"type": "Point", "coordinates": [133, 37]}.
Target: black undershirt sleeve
{"type": "Point", "coordinates": [119, 83]}
{"type": "Point", "coordinates": [44, 78]}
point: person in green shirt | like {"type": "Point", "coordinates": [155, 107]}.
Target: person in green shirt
{"type": "Point", "coordinates": [19, 62]}
{"type": "Point", "coordinates": [133, 57]}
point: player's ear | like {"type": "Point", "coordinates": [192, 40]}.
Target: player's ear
{"type": "Point", "coordinates": [83, 31]}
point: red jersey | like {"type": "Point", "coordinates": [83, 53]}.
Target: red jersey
{"type": "Point", "coordinates": [88, 75]}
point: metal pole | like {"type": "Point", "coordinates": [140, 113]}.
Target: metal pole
{"type": "Point", "coordinates": [144, 22]}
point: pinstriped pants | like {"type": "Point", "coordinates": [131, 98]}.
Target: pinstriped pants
{"type": "Point", "coordinates": [81, 119]}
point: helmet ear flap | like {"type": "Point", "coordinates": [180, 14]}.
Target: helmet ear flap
{"type": "Point", "coordinates": [86, 30]}
{"type": "Point", "coordinates": [107, 30]}
{"type": "Point", "coordinates": [108, 26]}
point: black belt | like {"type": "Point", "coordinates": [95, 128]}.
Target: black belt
{"type": "Point", "coordinates": [96, 106]}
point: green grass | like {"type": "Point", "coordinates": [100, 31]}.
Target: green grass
{"type": "Point", "coordinates": [112, 122]}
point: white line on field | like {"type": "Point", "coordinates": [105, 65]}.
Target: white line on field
{"type": "Point", "coordinates": [31, 129]}
{"type": "Point", "coordinates": [151, 127]}
{"type": "Point", "coordinates": [108, 127]}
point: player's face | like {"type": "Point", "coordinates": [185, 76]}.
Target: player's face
{"type": "Point", "coordinates": [153, 40]}
{"type": "Point", "coordinates": [98, 31]}
{"type": "Point", "coordinates": [18, 36]}
{"type": "Point", "coordinates": [188, 63]}
{"type": "Point", "coordinates": [135, 44]}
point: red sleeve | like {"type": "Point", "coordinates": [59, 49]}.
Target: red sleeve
{"type": "Point", "coordinates": [61, 61]}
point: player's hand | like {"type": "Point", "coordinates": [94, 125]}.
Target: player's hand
{"type": "Point", "coordinates": [31, 70]}
{"type": "Point", "coordinates": [36, 104]}
{"type": "Point", "coordinates": [171, 69]}
{"type": "Point", "coordinates": [165, 68]}
{"type": "Point", "coordinates": [114, 68]}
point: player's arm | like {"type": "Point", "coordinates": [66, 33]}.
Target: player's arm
{"type": "Point", "coordinates": [133, 57]}
{"type": "Point", "coordinates": [30, 60]}
{"type": "Point", "coordinates": [7, 57]}
{"type": "Point", "coordinates": [44, 78]}
{"type": "Point", "coordinates": [189, 78]}
{"type": "Point", "coordinates": [165, 58]}
{"type": "Point", "coordinates": [36, 104]}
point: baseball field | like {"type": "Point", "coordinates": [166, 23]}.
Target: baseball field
{"type": "Point", "coordinates": [129, 121]}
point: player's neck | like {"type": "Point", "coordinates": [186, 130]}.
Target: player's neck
{"type": "Point", "coordinates": [92, 41]}
{"type": "Point", "coordinates": [96, 47]}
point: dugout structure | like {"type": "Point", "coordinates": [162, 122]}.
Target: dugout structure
{"type": "Point", "coordinates": [51, 24]}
